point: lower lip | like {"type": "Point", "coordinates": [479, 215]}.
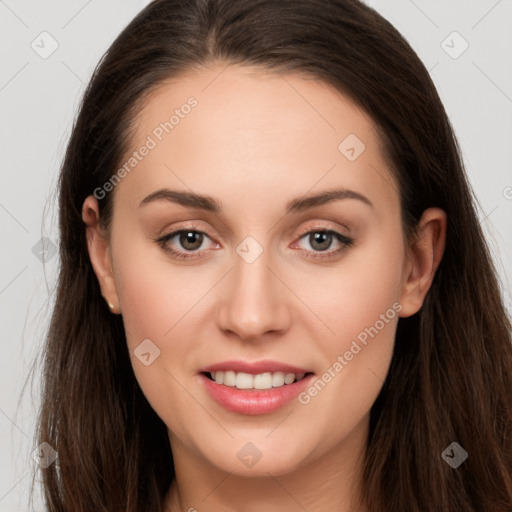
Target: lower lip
{"type": "Point", "coordinates": [254, 402]}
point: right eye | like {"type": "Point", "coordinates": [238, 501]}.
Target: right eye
{"type": "Point", "coordinates": [190, 240]}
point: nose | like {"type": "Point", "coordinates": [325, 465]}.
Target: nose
{"type": "Point", "coordinates": [253, 301]}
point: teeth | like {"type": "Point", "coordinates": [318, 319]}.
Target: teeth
{"type": "Point", "coordinates": [289, 378]}
{"type": "Point", "coordinates": [218, 377]}
{"type": "Point", "coordinates": [267, 380]}
{"type": "Point", "coordinates": [277, 379]}
{"type": "Point", "coordinates": [262, 381]}
{"type": "Point", "coordinates": [229, 379]}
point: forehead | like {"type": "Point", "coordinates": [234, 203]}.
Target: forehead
{"type": "Point", "coordinates": [244, 102]}
{"type": "Point", "coordinates": [239, 126]}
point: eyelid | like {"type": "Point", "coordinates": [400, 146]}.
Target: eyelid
{"type": "Point", "coordinates": [324, 226]}
{"type": "Point", "coordinates": [342, 239]}
{"type": "Point", "coordinates": [188, 225]}
{"type": "Point", "coordinates": [192, 228]}
{"type": "Point", "coordinates": [345, 240]}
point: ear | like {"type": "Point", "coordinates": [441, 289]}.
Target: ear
{"type": "Point", "coordinates": [424, 255]}
{"type": "Point", "coordinates": [98, 245]}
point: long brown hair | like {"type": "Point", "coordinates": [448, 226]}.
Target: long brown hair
{"type": "Point", "coordinates": [451, 374]}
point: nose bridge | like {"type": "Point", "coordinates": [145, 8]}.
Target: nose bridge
{"type": "Point", "coordinates": [255, 302]}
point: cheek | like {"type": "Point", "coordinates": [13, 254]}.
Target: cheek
{"type": "Point", "coordinates": [154, 294]}
{"type": "Point", "coordinates": [354, 293]}
{"type": "Point", "coordinates": [145, 301]}
{"type": "Point", "coordinates": [156, 304]}
{"type": "Point", "coordinates": [151, 301]}
{"type": "Point", "coordinates": [359, 303]}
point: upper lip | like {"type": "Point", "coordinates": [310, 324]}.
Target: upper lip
{"type": "Point", "coordinates": [255, 367]}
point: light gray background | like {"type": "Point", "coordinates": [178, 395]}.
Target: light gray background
{"type": "Point", "coordinates": [39, 98]}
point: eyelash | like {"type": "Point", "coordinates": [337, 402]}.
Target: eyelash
{"type": "Point", "coordinates": [344, 240]}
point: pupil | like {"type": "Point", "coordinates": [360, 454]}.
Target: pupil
{"type": "Point", "coordinates": [190, 237]}
{"type": "Point", "coordinates": [323, 239]}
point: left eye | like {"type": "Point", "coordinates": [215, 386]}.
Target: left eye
{"type": "Point", "coordinates": [192, 240]}
{"type": "Point", "coordinates": [321, 240]}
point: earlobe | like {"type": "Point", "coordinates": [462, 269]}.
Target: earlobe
{"type": "Point", "coordinates": [424, 256]}
{"type": "Point", "coordinates": [98, 245]}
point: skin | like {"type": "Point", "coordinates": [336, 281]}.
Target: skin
{"type": "Point", "coordinates": [254, 142]}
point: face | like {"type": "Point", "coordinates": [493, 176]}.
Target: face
{"type": "Point", "coordinates": [293, 267]}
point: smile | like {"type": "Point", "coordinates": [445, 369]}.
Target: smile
{"type": "Point", "coordinates": [242, 380]}
{"type": "Point", "coordinates": [254, 387]}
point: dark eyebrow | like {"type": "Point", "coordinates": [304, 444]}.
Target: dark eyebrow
{"type": "Point", "coordinates": [303, 203]}
{"type": "Point", "coordinates": [189, 199]}
{"type": "Point", "coordinates": [207, 203]}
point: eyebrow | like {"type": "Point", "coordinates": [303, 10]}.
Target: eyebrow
{"type": "Point", "coordinates": [210, 204]}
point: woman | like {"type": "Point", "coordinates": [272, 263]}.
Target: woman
{"type": "Point", "coordinates": [274, 293]}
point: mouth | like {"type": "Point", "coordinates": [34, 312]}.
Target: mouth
{"type": "Point", "coordinates": [255, 382]}
{"type": "Point", "coordinates": [254, 388]}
